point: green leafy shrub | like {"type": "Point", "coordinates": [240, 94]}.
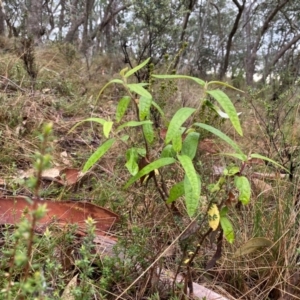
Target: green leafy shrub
{"type": "Point", "coordinates": [179, 152]}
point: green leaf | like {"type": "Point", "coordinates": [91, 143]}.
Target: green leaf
{"type": "Point", "coordinates": [97, 120]}
{"type": "Point", "coordinates": [241, 157]}
{"type": "Point", "coordinates": [190, 144]}
{"type": "Point", "coordinates": [122, 107]}
{"type": "Point", "coordinates": [161, 162]}
{"type": "Point", "coordinates": [168, 151]}
{"type": "Point", "coordinates": [98, 154]}
{"type": "Point", "coordinates": [124, 138]}
{"type": "Point", "coordinates": [132, 71]}
{"type": "Point", "coordinates": [122, 72]}
{"type": "Point", "coordinates": [233, 170]}
{"type": "Point", "coordinates": [133, 124]}
{"type": "Point", "coordinates": [177, 142]}
{"type": "Point", "coordinates": [178, 119]}
{"type": "Point", "coordinates": [191, 199]}
{"type": "Point", "coordinates": [213, 188]}
{"type": "Point", "coordinates": [252, 246]}
{"type": "Point", "coordinates": [107, 126]}
{"type": "Point", "coordinates": [223, 211]}
{"type": "Point", "coordinates": [244, 188]}
{"type": "Point", "coordinates": [218, 110]}
{"type": "Point", "coordinates": [112, 81]}
{"type": "Point", "coordinates": [131, 164]}
{"type": "Point", "coordinates": [199, 81]}
{"type": "Point", "coordinates": [254, 155]}
{"type": "Point", "coordinates": [148, 132]}
{"type": "Point", "coordinates": [158, 108]}
{"type": "Point", "coordinates": [227, 229]}
{"type": "Point", "coordinates": [176, 191]}
{"type": "Point", "coordinates": [222, 136]}
{"type": "Point", "coordinates": [191, 174]}
{"type": "Point", "coordinates": [138, 88]}
{"type": "Point", "coordinates": [228, 107]}
{"type": "Point", "coordinates": [144, 107]}
{"type": "Point", "coordinates": [141, 151]}
{"type": "Point", "coordinates": [224, 84]}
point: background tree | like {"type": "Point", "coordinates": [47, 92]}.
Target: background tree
{"type": "Point", "coordinates": [224, 38]}
{"type": "Point", "coordinates": [2, 19]}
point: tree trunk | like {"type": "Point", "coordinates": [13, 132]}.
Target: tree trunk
{"type": "Point", "coordinates": [252, 54]}
{"type": "Point", "coordinates": [279, 54]}
{"type": "Point", "coordinates": [107, 18]}
{"type": "Point", "coordinates": [190, 8]}
{"type": "Point", "coordinates": [61, 19]}
{"type": "Point", "coordinates": [34, 22]}
{"type": "Point", "coordinates": [85, 35]}
{"type": "Point", "coordinates": [75, 23]}
{"type": "Point", "coordinates": [72, 33]}
{"type": "Point", "coordinates": [2, 20]}
{"type": "Point", "coordinates": [231, 35]}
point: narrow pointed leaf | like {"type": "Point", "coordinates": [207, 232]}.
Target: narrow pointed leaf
{"type": "Point", "coordinates": [241, 157]}
{"type": "Point", "coordinates": [131, 164]}
{"type": "Point", "coordinates": [252, 246]}
{"type": "Point", "coordinates": [176, 191]}
{"type": "Point", "coordinates": [139, 89]}
{"type": "Point", "coordinates": [98, 154]}
{"type": "Point", "coordinates": [254, 155]}
{"type": "Point", "coordinates": [191, 198]}
{"type": "Point", "coordinates": [190, 144]}
{"type": "Point", "coordinates": [178, 119]}
{"type": "Point", "coordinates": [221, 135]}
{"type": "Point", "coordinates": [223, 211]}
{"type": "Point", "coordinates": [177, 142]}
{"type": "Point", "coordinates": [134, 124]}
{"type": "Point", "coordinates": [122, 72]}
{"type": "Point", "coordinates": [140, 66]}
{"type": "Point", "coordinates": [199, 81]}
{"type": "Point", "coordinates": [144, 107]}
{"type": "Point", "coordinates": [97, 120]}
{"type": "Point", "coordinates": [168, 151]}
{"type": "Point", "coordinates": [243, 186]}
{"type": "Point", "coordinates": [224, 84]}
{"type": "Point", "coordinates": [122, 107]}
{"type": "Point", "coordinates": [227, 229]}
{"type": "Point", "coordinates": [107, 126]}
{"type": "Point", "coordinates": [148, 132]}
{"type": "Point", "coordinates": [112, 81]}
{"type": "Point", "coordinates": [228, 107]}
{"type": "Point", "coordinates": [218, 110]}
{"type": "Point", "coordinates": [158, 108]}
{"type": "Point", "coordinates": [191, 174]}
{"type": "Point", "coordinates": [161, 162]}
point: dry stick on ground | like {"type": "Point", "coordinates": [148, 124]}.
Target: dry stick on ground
{"type": "Point", "coordinates": [13, 83]}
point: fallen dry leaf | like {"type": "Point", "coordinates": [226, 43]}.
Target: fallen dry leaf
{"type": "Point", "coordinates": [61, 213]}
{"type": "Point", "coordinates": [66, 176]}
{"type": "Point", "coordinates": [67, 294]}
{"type": "Point", "coordinates": [70, 176]}
{"type": "Point", "coordinates": [208, 146]}
{"type": "Point", "coordinates": [65, 158]}
{"type": "Point", "coordinates": [260, 187]}
{"type": "Point", "coordinates": [51, 173]}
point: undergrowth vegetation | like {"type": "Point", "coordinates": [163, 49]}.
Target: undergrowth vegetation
{"type": "Point", "coordinates": [205, 190]}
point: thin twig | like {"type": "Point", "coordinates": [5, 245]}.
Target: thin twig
{"type": "Point", "coordinates": [13, 83]}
